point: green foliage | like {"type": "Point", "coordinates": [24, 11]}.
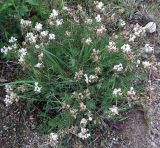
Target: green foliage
{"type": "Point", "coordinates": [62, 59]}
{"type": "Point", "coordinates": [11, 11]}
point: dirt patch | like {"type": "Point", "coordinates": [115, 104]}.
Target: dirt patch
{"type": "Point", "coordinates": [153, 115]}
{"type": "Point", "coordinates": [131, 133]}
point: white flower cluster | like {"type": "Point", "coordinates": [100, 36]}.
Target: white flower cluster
{"type": "Point", "coordinates": [146, 64]}
{"type": "Point", "coordinates": [138, 62]}
{"type": "Point", "coordinates": [99, 6]}
{"type": "Point", "coordinates": [148, 48]}
{"type": "Point", "coordinates": [100, 31]}
{"type": "Point", "coordinates": [114, 110]}
{"type": "Point", "coordinates": [84, 131]}
{"type": "Point", "coordinates": [78, 75]}
{"type": "Point", "coordinates": [91, 78]}
{"type": "Point", "coordinates": [25, 23]}
{"type": "Point", "coordinates": [131, 92]}
{"type": "Point", "coordinates": [53, 139]}
{"type": "Point", "coordinates": [22, 54]}
{"type": "Point", "coordinates": [31, 38]}
{"type": "Point", "coordinates": [53, 18]}
{"type": "Point", "coordinates": [10, 96]}
{"type": "Point", "coordinates": [88, 41]}
{"type": "Point", "coordinates": [98, 18]}
{"type": "Point", "coordinates": [122, 23]}
{"type": "Point", "coordinates": [126, 48]}
{"type": "Point", "coordinates": [13, 43]}
{"type": "Point", "coordinates": [118, 67]}
{"type": "Point", "coordinates": [51, 36]}
{"type": "Point", "coordinates": [40, 60]}
{"type": "Point", "coordinates": [5, 49]}
{"type": "Point", "coordinates": [95, 55]}
{"type": "Point", "coordinates": [44, 34]}
{"type": "Point", "coordinates": [12, 40]}
{"type": "Point", "coordinates": [112, 46]}
{"type": "Point", "coordinates": [117, 92]}
{"type": "Point", "coordinates": [88, 21]}
{"type": "Point", "coordinates": [38, 26]}
{"type": "Point", "coordinates": [138, 31]}
{"type": "Point", "coordinates": [37, 89]}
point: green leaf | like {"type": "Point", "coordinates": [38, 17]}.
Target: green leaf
{"type": "Point", "coordinates": [23, 10]}
{"type": "Point", "coordinates": [90, 105]}
{"type": "Point", "coordinates": [5, 6]}
{"type": "Point", "coordinates": [32, 2]}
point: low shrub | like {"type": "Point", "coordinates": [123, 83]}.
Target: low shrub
{"type": "Point", "coordinates": [78, 72]}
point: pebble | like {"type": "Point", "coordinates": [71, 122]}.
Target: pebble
{"type": "Point", "coordinates": [151, 27]}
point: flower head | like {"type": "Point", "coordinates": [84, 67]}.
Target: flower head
{"type": "Point", "coordinates": [117, 92]}
{"type": "Point", "coordinates": [114, 110]}
{"type": "Point", "coordinates": [38, 26]}
{"type": "Point", "coordinates": [118, 67]}
{"type": "Point", "coordinates": [98, 18]}
{"type": "Point", "coordinates": [37, 89]}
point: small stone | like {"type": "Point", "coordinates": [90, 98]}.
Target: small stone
{"type": "Point", "coordinates": [150, 27]}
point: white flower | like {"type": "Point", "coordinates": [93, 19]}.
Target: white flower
{"type": "Point", "coordinates": [117, 92]}
{"type": "Point", "coordinates": [112, 46]}
{"type": "Point", "coordinates": [31, 37]}
{"type": "Point", "coordinates": [12, 40]}
{"type": "Point", "coordinates": [54, 13]}
{"type": "Point", "coordinates": [98, 18]}
{"type": "Point", "coordinates": [44, 33]}
{"type": "Point", "coordinates": [122, 23]}
{"type": "Point", "coordinates": [148, 48]}
{"type": "Point", "coordinates": [99, 5]}
{"type": "Point", "coordinates": [131, 92]}
{"type": "Point", "coordinates": [66, 8]}
{"type": "Point", "coordinates": [138, 30]}
{"type": "Point", "coordinates": [91, 78]}
{"type": "Point", "coordinates": [22, 54]}
{"type": "Point", "coordinates": [89, 116]}
{"type": "Point", "coordinates": [40, 56]}
{"type": "Point", "coordinates": [118, 67]}
{"type": "Point", "coordinates": [38, 26]}
{"type": "Point", "coordinates": [4, 50]}
{"type": "Point", "coordinates": [132, 37]}
{"type": "Point", "coordinates": [37, 46]}
{"type": "Point", "coordinates": [86, 78]}
{"type": "Point", "coordinates": [126, 48]}
{"type": "Point", "coordinates": [84, 133]}
{"type": "Point", "coordinates": [83, 122]}
{"type": "Point", "coordinates": [38, 65]}
{"type": "Point", "coordinates": [51, 36]}
{"type": "Point", "coordinates": [114, 110]}
{"type": "Point", "coordinates": [14, 46]}
{"type": "Point", "coordinates": [37, 89]}
{"type": "Point", "coordinates": [25, 23]}
{"type": "Point", "coordinates": [88, 41]}
{"type": "Point", "coordinates": [146, 64]}
{"type": "Point", "coordinates": [8, 88]}
{"type": "Point", "coordinates": [138, 62]}
{"type": "Point", "coordinates": [59, 22]}
{"type": "Point", "coordinates": [10, 95]}
{"type": "Point", "coordinates": [100, 31]}
{"type": "Point", "coordinates": [53, 138]}
{"type": "Point", "coordinates": [88, 21]}
{"type": "Point", "coordinates": [8, 100]}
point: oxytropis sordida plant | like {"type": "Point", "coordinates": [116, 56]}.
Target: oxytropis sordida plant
{"type": "Point", "coordinates": [77, 72]}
